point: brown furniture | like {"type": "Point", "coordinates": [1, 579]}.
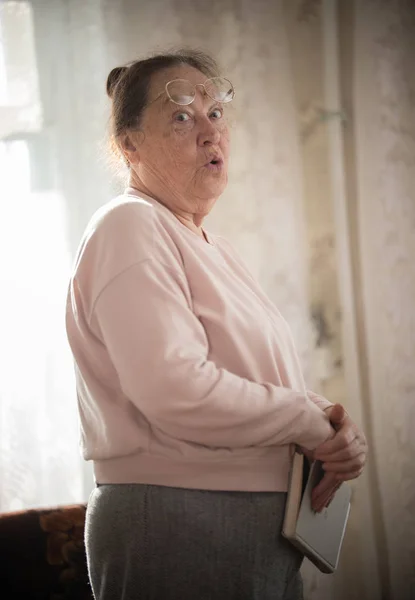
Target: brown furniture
{"type": "Point", "coordinates": [42, 555]}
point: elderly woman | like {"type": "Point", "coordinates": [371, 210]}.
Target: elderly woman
{"type": "Point", "coordinates": [190, 392]}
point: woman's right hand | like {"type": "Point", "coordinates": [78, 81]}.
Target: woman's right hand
{"type": "Point", "coordinates": [324, 492]}
{"type": "Point", "coordinates": [343, 457]}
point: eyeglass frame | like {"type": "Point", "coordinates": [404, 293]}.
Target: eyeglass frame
{"type": "Point", "coordinates": [195, 85]}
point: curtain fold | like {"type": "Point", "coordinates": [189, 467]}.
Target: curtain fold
{"type": "Point", "coordinates": [384, 104]}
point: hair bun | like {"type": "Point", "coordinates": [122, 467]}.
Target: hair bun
{"type": "Point", "coordinates": [114, 78]}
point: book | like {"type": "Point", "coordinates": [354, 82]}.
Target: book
{"type": "Point", "coordinates": [319, 536]}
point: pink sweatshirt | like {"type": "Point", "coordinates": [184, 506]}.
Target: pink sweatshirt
{"type": "Point", "coordinates": [187, 375]}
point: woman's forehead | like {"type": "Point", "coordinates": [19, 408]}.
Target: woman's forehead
{"type": "Point", "coordinates": [160, 79]}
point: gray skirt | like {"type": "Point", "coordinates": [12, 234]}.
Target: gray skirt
{"type": "Point", "coordinates": [151, 542]}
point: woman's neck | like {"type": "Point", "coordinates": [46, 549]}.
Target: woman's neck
{"type": "Point", "coordinates": [189, 220]}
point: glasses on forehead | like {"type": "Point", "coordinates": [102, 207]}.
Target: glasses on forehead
{"type": "Point", "coordinates": [183, 92]}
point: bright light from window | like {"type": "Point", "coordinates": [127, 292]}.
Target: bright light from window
{"type": "Point", "coordinates": [19, 86]}
{"type": "Point", "coordinates": [39, 461]}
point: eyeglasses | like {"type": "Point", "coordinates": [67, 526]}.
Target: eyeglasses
{"type": "Point", "coordinates": [183, 92]}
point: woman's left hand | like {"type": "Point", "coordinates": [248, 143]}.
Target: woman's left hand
{"type": "Point", "coordinates": [343, 457]}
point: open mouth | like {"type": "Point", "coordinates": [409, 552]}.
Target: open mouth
{"type": "Point", "coordinates": [215, 162]}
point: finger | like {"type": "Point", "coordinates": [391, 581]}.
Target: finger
{"type": "Point", "coordinates": [357, 445]}
{"type": "Point", "coordinates": [324, 494]}
{"type": "Point", "coordinates": [322, 501]}
{"type": "Point", "coordinates": [341, 440]}
{"type": "Point", "coordinates": [337, 414]}
{"type": "Point", "coordinates": [328, 481]}
{"type": "Point", "coordinates": [349, 476]}
{"type": "Point", "coordinates": [346, 466]}
{"type": "Point", "coordinates": [330, 500]}
{"type": "Point", "coordinates": [351, 451]}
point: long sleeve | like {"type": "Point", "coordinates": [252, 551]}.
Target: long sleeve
{"type": "Point", "coordinates": [319, 401]}
{"type": "Point", "coordinates": [160, 349]}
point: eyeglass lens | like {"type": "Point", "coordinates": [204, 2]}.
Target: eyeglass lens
{"type": "Point", "coordinates": [183, 92]}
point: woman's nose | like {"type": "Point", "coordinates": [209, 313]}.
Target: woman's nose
{"type": "Point", "coordinates": [208, 134]}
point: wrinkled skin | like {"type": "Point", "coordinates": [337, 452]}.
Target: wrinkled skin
{"type": "Point", "coordinates": [168, 155]}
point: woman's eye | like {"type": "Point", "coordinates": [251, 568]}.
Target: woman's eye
{"type": "Point", "coordinates": [182, 117]}
{"type": "Point", "coordinates": [216, 114]}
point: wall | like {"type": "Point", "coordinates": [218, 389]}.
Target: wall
{"type": "Point", "coordinates": [261, 211]}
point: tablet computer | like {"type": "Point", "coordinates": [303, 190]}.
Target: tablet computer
{"type": "Point", "coordinates": [318, 535]}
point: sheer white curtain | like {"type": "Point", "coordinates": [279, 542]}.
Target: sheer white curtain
{"type": "Point", "coordinates": [384, 101]}
{"type": "Point", "coordinates": [39, 460]}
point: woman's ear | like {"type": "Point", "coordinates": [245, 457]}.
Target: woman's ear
{"type": "Point", "coordinates": [129, 143]}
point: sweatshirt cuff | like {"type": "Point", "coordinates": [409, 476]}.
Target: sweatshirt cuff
{"type": "Point", "coordinates": [323, 403]}
{"type": "Point", "coordinates": [319, 429]}
{"type": "Point", "coordinates": [319, 401]}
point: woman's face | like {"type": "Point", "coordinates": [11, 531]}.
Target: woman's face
{"type": "Point", "coordinates": [176, 144]}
